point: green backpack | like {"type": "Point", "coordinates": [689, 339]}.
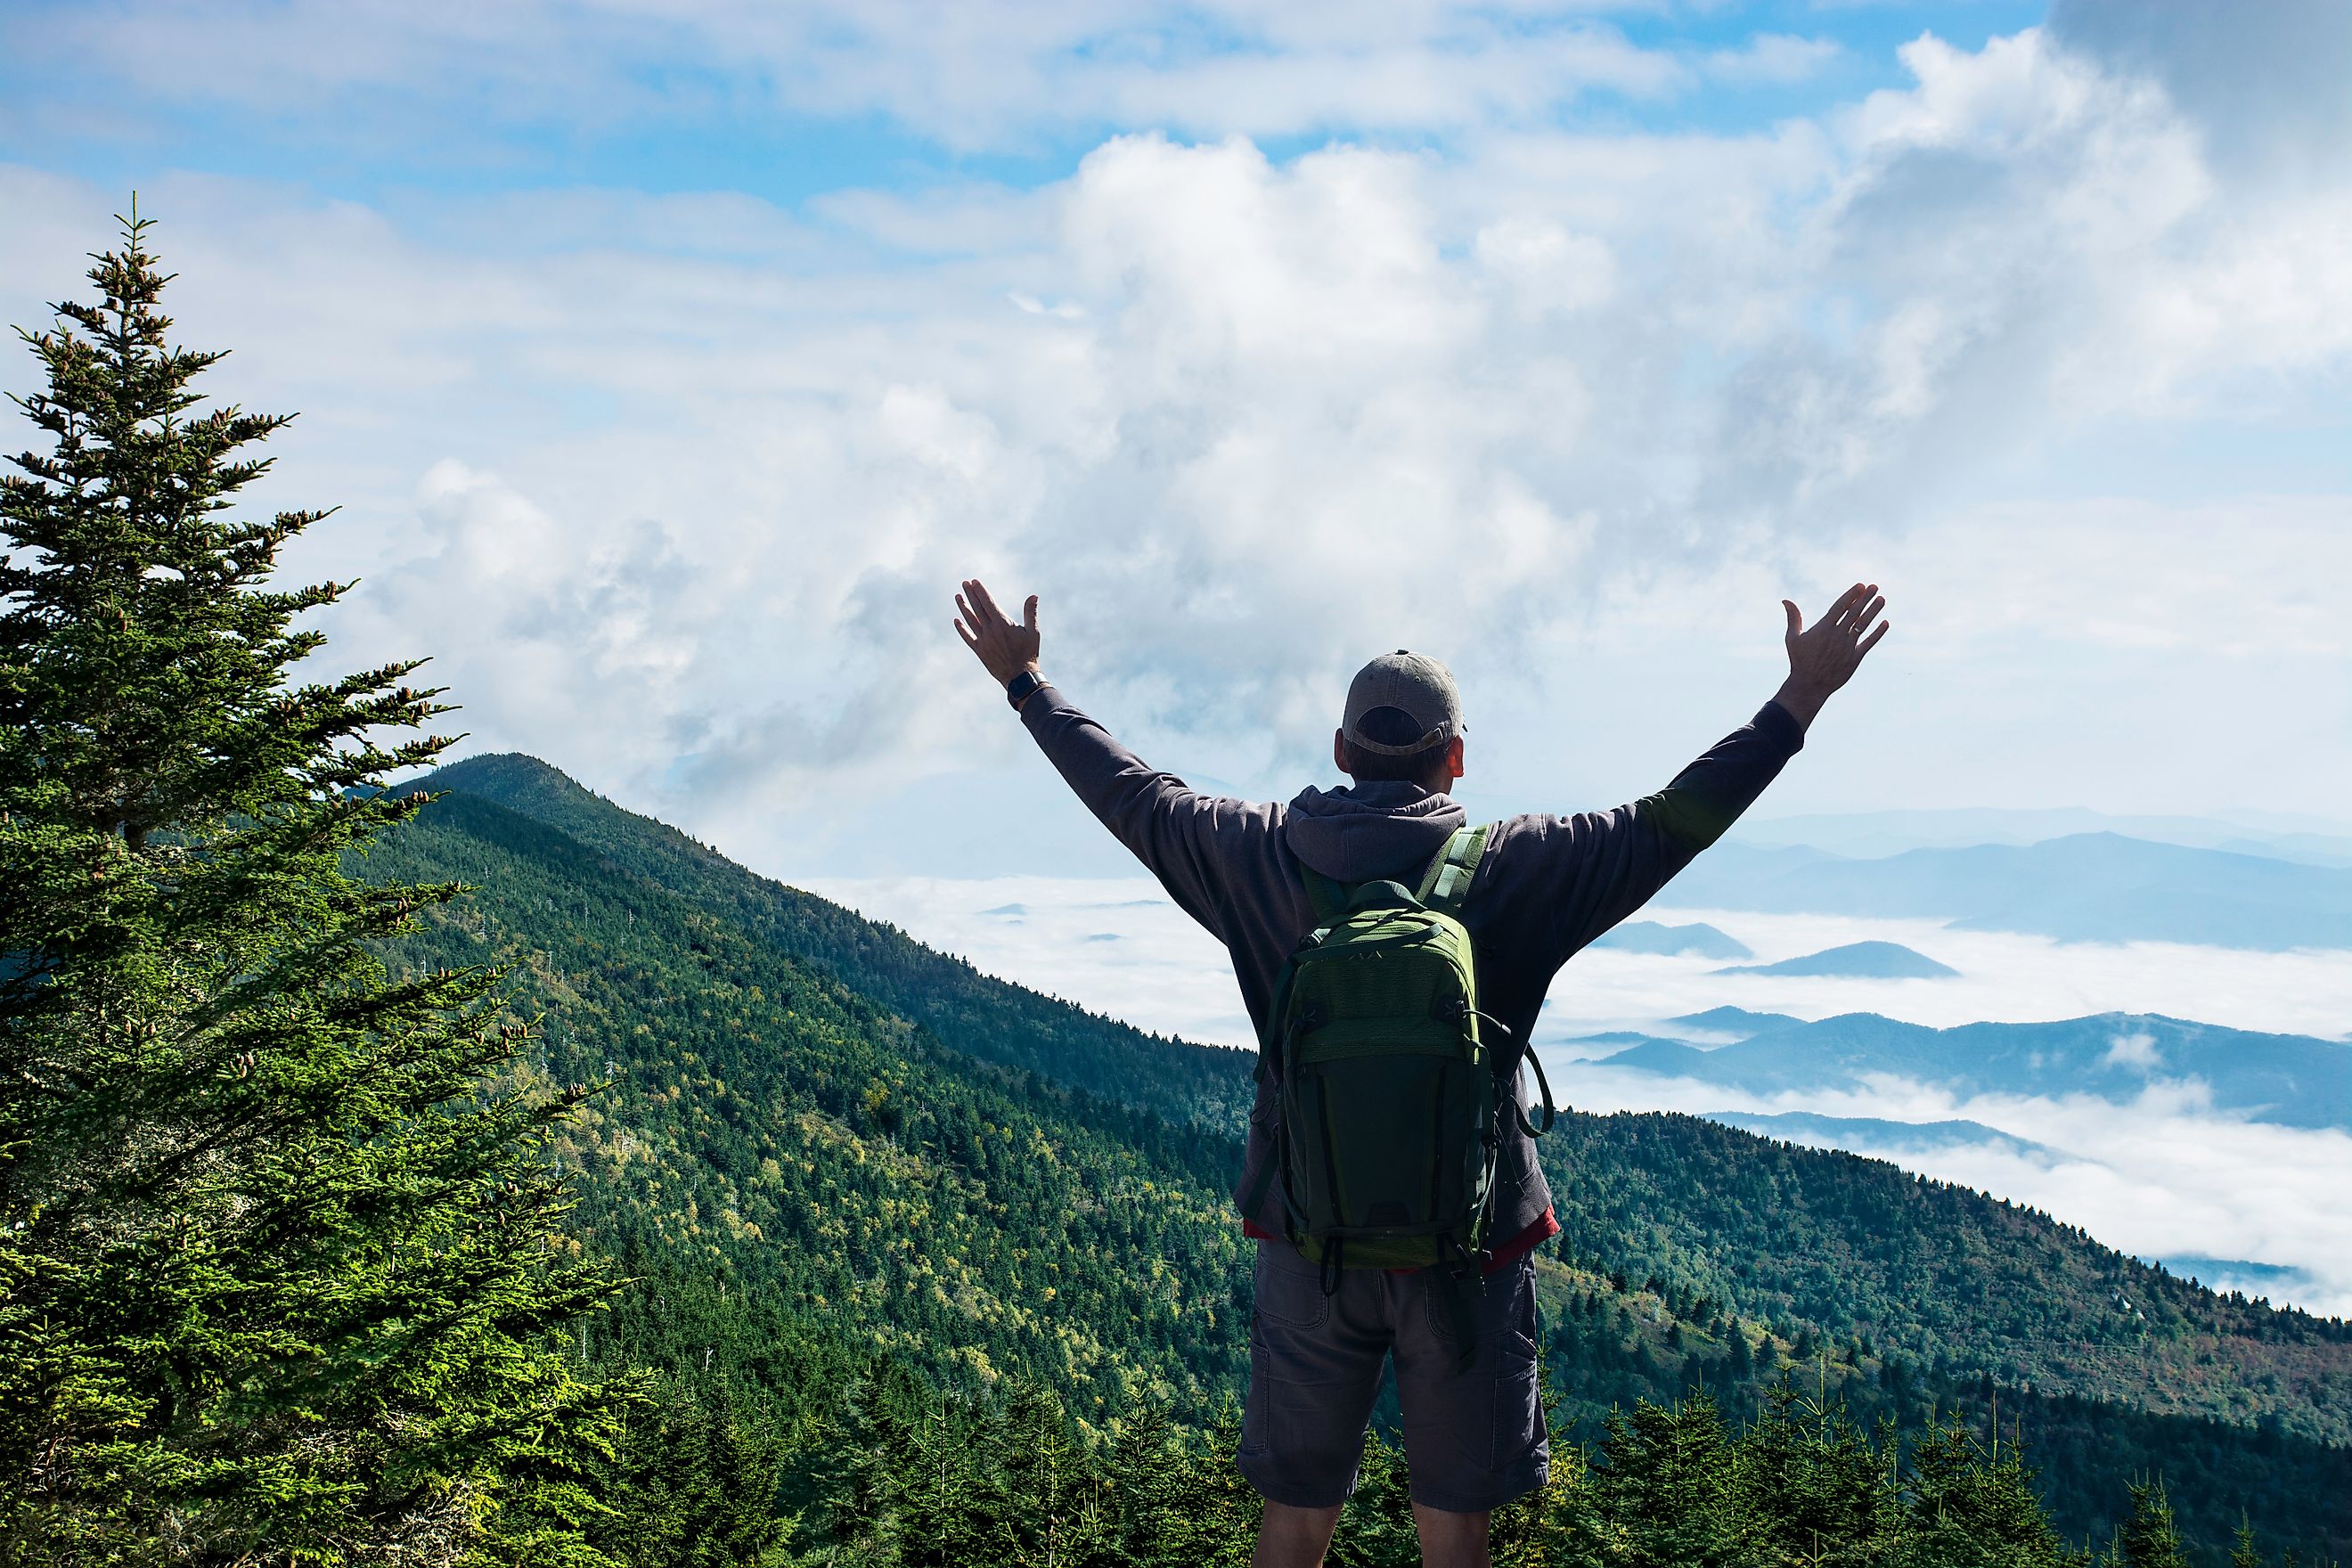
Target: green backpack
{"type": "Point", "coordinates": [1392, 1099]}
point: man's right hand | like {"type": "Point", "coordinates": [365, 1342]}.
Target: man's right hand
{"type": "Point", "coordinates": [1004, 648]}
{"type": "Point", "coordinates": [1824, 655]}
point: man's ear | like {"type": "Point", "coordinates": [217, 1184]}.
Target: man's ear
{"type": "Point", "coordinates": [1339, 750]}
{"type": "Point", "coordinates": [1453, 756]}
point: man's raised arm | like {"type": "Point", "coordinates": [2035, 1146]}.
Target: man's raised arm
{"type": "Point", "coordinates": [1611, 863]}
{"type": "Point", "coordinates": [1163, 822]}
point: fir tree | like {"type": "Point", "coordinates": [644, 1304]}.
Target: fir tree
{"type": "Point", "coordinates": [282, 1273]}
{"type": "Point", "coordinates": [1144, 1462]}
{"type": "Point", "coordinates": [949, 1500]}
{"type": "Point", "coordinates": [1559, 1525]}
{"type": "Point", "coordinates": [850, 1476]}
{"type": "Point", "coordinates": [697, 1479]}
{"type": "Point", "coordinates": [1376, 1528]}
{"type": "Point", "coordinates": [1807, 1478]}
{"type": "Point", "coordinates": [1213, 1515]}
{"type": "Point", "coordinates": [1668, 1480]}
{"type": "Point", "coordinates": [1973, 1505]}
{"type": "Point", "coordinates": [2148, 1538]}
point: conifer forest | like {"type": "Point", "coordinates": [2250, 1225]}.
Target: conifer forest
{"type": "Point", "coordinates": [470, 1171]}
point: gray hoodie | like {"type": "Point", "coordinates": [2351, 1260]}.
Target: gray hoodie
{"type": "Point", "coordinates": [1546, 886]}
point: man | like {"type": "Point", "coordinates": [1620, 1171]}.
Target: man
{"type": "Point", "coordinates": [1473, 1431]}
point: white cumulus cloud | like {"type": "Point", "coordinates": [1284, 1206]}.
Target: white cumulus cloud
{"type": "Point", "coordinates": [1550, 401]}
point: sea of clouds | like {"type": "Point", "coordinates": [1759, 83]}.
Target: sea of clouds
{"type": "Point", "coordinates": [2161, 1177]}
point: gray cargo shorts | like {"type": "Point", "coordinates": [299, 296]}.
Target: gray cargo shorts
{"type": "Point", "coordinates": [1474, 1437]}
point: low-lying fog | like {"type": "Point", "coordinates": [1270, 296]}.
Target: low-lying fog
{"type": "Point", "coordinates": [2162, 1177]}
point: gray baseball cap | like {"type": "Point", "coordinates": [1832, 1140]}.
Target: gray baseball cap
{"type": "Point", "coordinates": [1414, 684]}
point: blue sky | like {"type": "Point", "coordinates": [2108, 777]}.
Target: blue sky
{"type": "Point", "coordinates": [671, 363]}
{"type": "Point", "coordinates": [701, 119]}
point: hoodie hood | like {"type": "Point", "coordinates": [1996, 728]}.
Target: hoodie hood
{"type": "Point", "coordinates": [1365, 832]}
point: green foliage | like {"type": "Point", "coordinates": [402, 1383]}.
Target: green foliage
{"type": "Point", "coordinates": [1202, 1086]}
{"type": "Point", "coordinates": [766, 1125]}
{"type": "Point", "coordinates": [1974, 1504]}
{"type": "Point", "coordinates": [1008, 1479]}
{"type": "Point", "coordinates": [277, 1283]}
{"type": "Point", "coordinates": [725, 1041]}
{"type": "Point", "coordinates": [1839, 1248]}
{"type": "Point", "coordinates": [2148, 1538]}
{"type": "Point", "coordinates": [884, 1467]}
{"type": "Point", "coordinates": [695, 1478]}
{"type": "Point", "coordinates": [2245, 1551]}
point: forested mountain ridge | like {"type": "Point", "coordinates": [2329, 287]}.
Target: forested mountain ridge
{"type": "Point", "coordinates": [1011, 1025]}
{"type": "Point", "coordinates": [853, 1164]}
{"type": "Point", "coordinates": [1860, 1250]}
{"type": "Point", "coordinates": [1783, 1235]}
{"type": "Point", "coordinates": [762, 1122]}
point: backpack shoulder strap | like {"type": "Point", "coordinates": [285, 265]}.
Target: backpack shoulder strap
{"type": "Point", "coordinates": [1326, 898]}
{"type": "Point", "coordinates": [1447, 881]}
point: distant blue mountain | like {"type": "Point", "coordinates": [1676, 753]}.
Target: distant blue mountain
{"type": "Point", "coordinates": [1867, 834]}
{"type": "Point", "coordinates": [2292, 1081]}
{"type": "Point", "coordinates": [1670, 1058]}
{"type": "Point", "coordinates": [2283, 1280]}
{"type": "Point", "coordinates": [1871, 1135]}
{"type": "Point", "coordinates": [2091, 887]}
{"type": "Point", "coordinates": [1737, 1021]}
{"type": "Point", "coordinates": [1698, 938]}
{"type": "Point", "coordinates": [1857, 959]}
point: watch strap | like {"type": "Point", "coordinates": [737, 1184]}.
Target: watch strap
{"type": "Point", "coordinates": [1022, 688]}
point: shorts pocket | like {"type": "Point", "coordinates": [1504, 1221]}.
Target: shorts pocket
{"type": "Point", "coordinates": [1519, 1380]}
{"type": "Point", "coordinates": [1493, 1408]}
{"type": "Point", "coordinates": [1289, 1295]}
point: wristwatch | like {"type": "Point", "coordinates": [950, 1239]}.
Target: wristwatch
{"type": "Point", "coordinates": [1023, 687]}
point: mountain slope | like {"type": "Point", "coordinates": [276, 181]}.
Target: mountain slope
{"type": "Point", "coordinates": [759, 1121]}
{"type": "Point", "coordinates": [1795, 1235]}
{"type": "Point", "coordinates": [1943, 1276]}
{"type": "Point", "coordinates": [1648, 936]}
{"type": "Point", "coordinates": [1205, 1085]}
{"type": "Point", "coordinates": [1873, 1134]}
{"type": "Point", "coordinates": [963, 1197]}
{"type": "Point", "coordinates": [1855, 960]}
